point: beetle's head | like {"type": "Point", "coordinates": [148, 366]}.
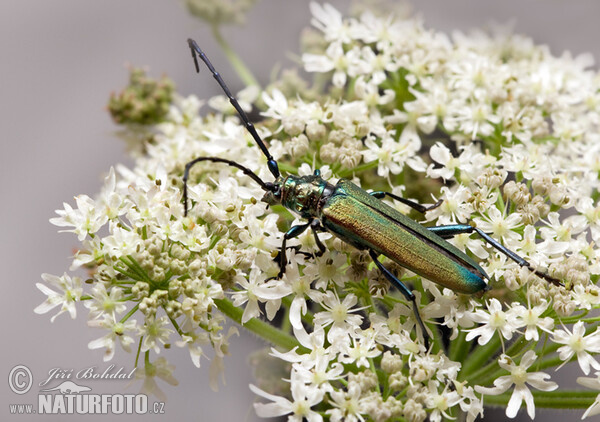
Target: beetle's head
{"type": "Point", "coordinates": [272, 195]}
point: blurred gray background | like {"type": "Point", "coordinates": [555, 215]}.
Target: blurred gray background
{"type": "Point", "coordinates": [60, 60]}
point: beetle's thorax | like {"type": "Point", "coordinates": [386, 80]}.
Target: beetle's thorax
{"type": "Point", "coordinates": [305, 194]}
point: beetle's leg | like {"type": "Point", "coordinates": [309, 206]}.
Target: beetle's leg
{"type": "Point", "coordinates": [451, 230]}
{"type": "Point", "coordinates": [296, 249]}
{"type": "Point", "coordinates": [414, 205]}
{"type": "Point", "coordinates": [294, 231]}
{"type": "Point", "coordinates": [315, 225]}
{"type": "Point", "coordinates": [409, 295]}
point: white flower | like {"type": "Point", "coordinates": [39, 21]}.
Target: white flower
{"type": "Point", "coordinates": [519, 377]}
{"type": "Point", "coordinates": [155, 331]}
{"type": "Point", "coordinates": [476, 119]}
{"type": "Point", "coordinates": [322, 373]}
{"type": "Point", "coordinates": [347, 404]}
{"type": "Point", "coordinates": [495, 319]}
{"type": "Point", "coordinates": [70, 292]}
{"type": "Point", "coordinates": [304, 397]}
{"type": "Point", "coordinates": [248, 294]}
{"type": "Point", "coordinates": [455, 207]}
{"type": "Point", "coordinates": [334, 59]}
{"type": "Point", "coordinates": [359, 352]}
{"type": "Point", "coordinates": [88, 218]}
{"type": "Point", "coordinates": [392, 154]}
{"type": "Point", "coordinates": [160, 368]}
{"type": "Point", "coordinates": [340, 314]}
{"type": "Point", "coordinates": [594, 383]}
{"type": "Point", "coordinates": [440, 402]}
{"type": "Point", "coordinates": [531, 318]}
{"type": "Point", "coordinates": [330, 267]}
{"type": "Point", "coordinates": [500, 226]}
{"type": "Point", "coordinates": [301, 288]}
{"type": "Point", "coordinates": [194, 341]}
{"type": "Point", "coordinates": [120, 242]}
{"type": "Point", "coordinates": [256, 290]}
{"type": "Point", "coordinates": [105, 302]}
{"type": "Point", "coordinates": [116, 331]}
{"type": "Point", "coordinates": [116, 204]}
{"type": "Point", "coordinates": [329, 20]}
{"type": "Point", "coordinates": [577, 343]}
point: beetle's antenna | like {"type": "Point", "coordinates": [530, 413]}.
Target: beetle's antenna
{"type": "Point", "coordinates": [267, 186]}
{"type": "Point", "coordinates": [271, 163]}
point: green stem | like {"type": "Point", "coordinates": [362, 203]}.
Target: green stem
{"type": "Point", "coordinates": [517, 346]}
{"type": "Point", "coordinates": [238, 65]}
{"type": "Point", "coordinates": [487, 374]}
{"type": "Point", "coordinates": [374, 370]}
{"type": "Point", "coordinates": [286, 325]}
{"type": "Point", "coordinates": [551, 362]}
{"type": "Point", "coordinates": [287, 168]}
{"type": "Point", "coordinates": [174, 323]}
{"type": "Point", "coordinates": [137, 355]}
{"type": "Point", "coordinates": [480, 356]}
{"type": "Point", "coordinates": [131, 312]}
{"type": "Point", "coordinates": [368, 302]}
{"type": "Point", "coordinates": [260, 328]}
{"type": "Point", "coordinates": [438, 342]}
{"type": "Point", "coordinates": [362, 167]}
{"type": "Point", "coordinates": [559, 399]}
{"type": "Point", "coordinates": [459, 347]}
{"type": "Point", "coordinates": [575, 319]}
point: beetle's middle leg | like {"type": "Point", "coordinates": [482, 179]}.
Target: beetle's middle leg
{"type": "Point", "coordinates": [451, 230]}
{"type": "Point", "coordinates": [414, 205]}
{"type": "Point", "coordinates": [408, 294]}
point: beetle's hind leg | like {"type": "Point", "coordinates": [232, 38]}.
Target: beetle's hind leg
{"type": "Point", "coordinates": [451, 230]}
{"type": "Point", "coordinates": [408, 294]}
{"type": "Point", "coordinates": [414, 205]}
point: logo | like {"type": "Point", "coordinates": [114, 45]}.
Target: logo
{"type": "Point", "coordinates": [20, 379]}
{"type": "Point", "coordinates": [69, 387]}
{"type": "Point", "coordinates": [70, 397]}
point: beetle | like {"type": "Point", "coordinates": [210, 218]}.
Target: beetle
{"type": "Point", "coordinates": [362, 220]}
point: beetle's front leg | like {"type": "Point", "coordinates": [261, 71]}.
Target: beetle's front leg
{"type": "Point", "coordinates": [451, 230]}
{"type": "Point", "coordinates": [414, 205]}
{"type": "Point", "coordinates": [293, 232]}
{"type": "Point", "coordinates": [409, 295]}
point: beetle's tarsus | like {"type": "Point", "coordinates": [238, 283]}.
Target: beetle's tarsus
{"type": "Point", "coordinates": [297, 250]}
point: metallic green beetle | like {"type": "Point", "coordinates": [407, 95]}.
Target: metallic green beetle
{"type": "Point", "coordinates": [364, 221]}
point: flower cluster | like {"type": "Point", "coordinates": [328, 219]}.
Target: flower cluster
{"type": "Point", "coordinates": [505, 134]}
